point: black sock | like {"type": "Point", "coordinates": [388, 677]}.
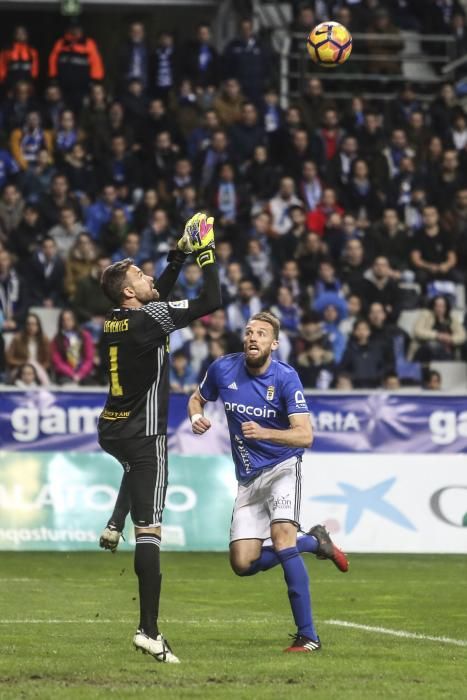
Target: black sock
{"type": "Point", "coordinates": [122, 506]}
{"type": "Point", "coordinates": [147, 569]}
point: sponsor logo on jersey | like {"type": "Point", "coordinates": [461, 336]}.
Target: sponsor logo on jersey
{"type": "Point", "coordinates": [233, 386]}
{"type": "Point", "coordinates": [182, 304]}
{"type": "Point", "coordinates": [300, 399]}
{"type": "Point", "coordinates": [258, 411]}
{"type": "Point", "coordinates": [270, 393]}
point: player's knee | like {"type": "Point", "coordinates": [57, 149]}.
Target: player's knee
{"type": "Point", "coordinates": [284, 537]}
{"type": "Point", "coordinates": [240, 566]}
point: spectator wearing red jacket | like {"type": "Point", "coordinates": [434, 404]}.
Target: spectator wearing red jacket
{"type": "Point", "coordinates": [75, 61]}
{"type": "Point", "coordinates": [316, 219]}
{"type": "Point", "coordinates": [19, 61]}
{"type": "Point", "coordinates": [72, 351]}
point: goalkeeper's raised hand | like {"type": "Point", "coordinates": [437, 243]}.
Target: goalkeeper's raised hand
{"type": "Point", "coordinates": [198, 234]}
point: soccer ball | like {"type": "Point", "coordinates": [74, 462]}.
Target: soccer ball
{"type": "Point", "coordinates": [329, 44]}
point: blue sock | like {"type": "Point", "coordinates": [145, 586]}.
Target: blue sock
{"type": "Point", "coordinates": [268, 557]}
{"type": "Point", "coordinates": [296, 578]}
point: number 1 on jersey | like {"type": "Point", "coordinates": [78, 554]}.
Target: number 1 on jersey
{"type": "Point", "coordinates": [115, 386]}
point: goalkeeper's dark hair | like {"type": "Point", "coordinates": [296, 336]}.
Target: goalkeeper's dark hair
{"type": "Point", "coordinates": [113, 280]}
{"type": "Point", "coordinates": [268, 317]}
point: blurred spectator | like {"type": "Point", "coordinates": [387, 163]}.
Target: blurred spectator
{"type": "Point", "coordinates": [9, 168]}
{"type": "Point", "coordinates": [52, 203]}
{"type": "Point", "coordinates": [11, 211]}
{"type": "Point", "coordinates": [217, 330]}
{"type": "Point", "coordinates": [339, 168]}
{"type": "Point", "coordinates": [317, 219]}
{"type": "Point", "coordinates": [165, 66]}
{"type": "Point", "coordinates": [79, 262]}
{"type": "Point", "coordinates": [442, 109]}
{"type": "Point", "coordinates": [363, 358]}
{"type": "Point", "coordinates": [328, 137]}
{"type": "Point", "coordinates": [13, 294]}
{"type": "Point", "coordinates": [100, 213]}
{"type": "Point", "coordinates": [27, 236]}
{"type": "Point", "coordinates": [400, 110]}
{"type": "Point", "coordinates": [66, 136]}
{"type": "Point", "coordinates": [196, 349]}
{"type": "Point", "coordinates": [455, 219]}
{"type": "Point", "coordinates": [310, 186]}
{"type": "Point", "coordinates": [432, 381]}
{"type": "Point", "coordinates": [353, 265]}
{"type": "Point", "coordinates": [133, 60]}
{"type": "Point", "coordinates": [183, 378]}
{"type": "Point", "coordinates": [310, 253]}
{"type": "Point", "coordinates": [354, 312]}
{"type": "Point", "coordinates": [27, 377]}
{"type": "Point", "coordinates": [261, 175]}
{"type": "Point", "coordinates": [200, 59]}
{"type": "Point", "coordinates": [438, 332]}
{"type": "Point", "coordinates": [94, 120]}
{"type": "Point", "coordinates": [287, 311]}
{"type": "Point", "coordinates": [397, 149]}
{"type": "Point", "coordinates": [449, 178]}
{"type": "Point", "coordinates": [457, 134]}
{"type": "Point", "coordinates": [228, 102]}
{"type": "Point", "coordinates": [272, 120]}
{"type": "Point", "coordinates": [343, 382]}
{"type": "Point", "coordinates": [45, 275]}
{"type": "Point", "coordinates": [160, 159]}
{"type": "Point", "coordinates": [75, 61]}
{"type": "Point", "coordinates": [52, 105]}
{"type": "Point", "coordinates": [360, 197]}
{"type": "Point", "coordinates": [189, 281]}
{"type": "Point", "coordinates": [72, 351]}
{"type": "Point", "coordinates": [248, 60]}
{"type": "Point", "coordinates": [130, 248]}
{"type": "Point", "coordinates": [17, 105]}
{"type": "Point", "coordinates": [382, 24]}
{"type": "Point", "coordinates": [332, 315]}
{"type": "Point", "coordinates": [391, 381]}
{"type": "Point", "coordinates": [258, 262]}
{"type": "Point", "coordinates": [433, 255]}
{"type": "Point", "coordinates": [31, 346]}
{"type": "Point", "coordinates": [281, 204]}
{"type": "Point", "coordinates": [113, 234]}
{"type": "Point", "coordinates": [228, 198]}
{"type": "Point", "coordinates": [380, 286]}
{"type": "Point", "coordinates": [312, 103]}
{"type": "Point", "coordinates": [66, 231]}
{"type": "Point", "coordinates": [20, 60]}
{"type": "Point", "coordinates": [286, 246]}
{"type": "Point", "coordinates": [79, 171]}
{"type": "Point", "coordinates": [156, 238]}
{"type": "Point", "coordinates": [246, 134]}
{"type": "Point", "coordinates": [248, 304]}
{"type": "Point", "coordinates": [388, 238]}
{"type": "Point", "coordinates": [216, 348]}
{"type": "Point", "coordinates": [90, 303]}
{"type": "Point", "coordinates": [315, 367]}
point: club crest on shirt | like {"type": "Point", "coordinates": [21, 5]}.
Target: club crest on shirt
{"type": "Point", "coordinates": [270, 393]}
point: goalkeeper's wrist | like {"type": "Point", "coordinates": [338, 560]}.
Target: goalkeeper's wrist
{"type": "Point", "coordinates": [205, 256]}
{"type": "Point", "coordinates": [176, 256]}
{"type": "Point", "coordinates": [195, 417]}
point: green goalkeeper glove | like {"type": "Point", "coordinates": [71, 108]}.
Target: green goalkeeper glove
{"type": "Point", "coordinates": [198, 234]}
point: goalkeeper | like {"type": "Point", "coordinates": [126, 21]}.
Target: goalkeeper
{"type": "Point", "coordinates": [133, 424]}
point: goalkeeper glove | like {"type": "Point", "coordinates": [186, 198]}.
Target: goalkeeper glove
{"type": "Point", "coordinates": [198, 234]}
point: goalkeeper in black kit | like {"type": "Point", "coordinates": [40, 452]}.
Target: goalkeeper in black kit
{"type": "Point", "coordinates": [133, 425]}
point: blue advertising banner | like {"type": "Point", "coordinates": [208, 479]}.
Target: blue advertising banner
{"type": "Point", "coordinates": [378, 422]}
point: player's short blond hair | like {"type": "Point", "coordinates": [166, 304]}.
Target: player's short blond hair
{"type": "Point", "coordinates": [268, 317]}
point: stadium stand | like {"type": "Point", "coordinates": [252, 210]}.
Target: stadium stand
{"type": "Point", "coordinates": [328, 201]}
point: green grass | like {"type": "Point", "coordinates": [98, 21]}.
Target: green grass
{"type": "Point", "coordinates": [229, 632]}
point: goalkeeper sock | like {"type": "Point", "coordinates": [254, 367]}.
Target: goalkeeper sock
{"type": "Point", "coordinates": [147, 569]}
{"type": "Point", "coordinates": [122, 506]}
{"type": "Point", "coordinates": [296, 578]}
{"type": "Point", "coordinates": [268, 557]}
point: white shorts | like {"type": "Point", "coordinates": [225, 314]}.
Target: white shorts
{"type": "Point", "coordinates": [273, 496]}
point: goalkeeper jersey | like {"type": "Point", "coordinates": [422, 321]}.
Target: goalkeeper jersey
{"type": "Point", "coordinates": [137, 347]}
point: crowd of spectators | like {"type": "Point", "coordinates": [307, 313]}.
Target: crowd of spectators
{"type": "Point", "coordinates": [336, 216]}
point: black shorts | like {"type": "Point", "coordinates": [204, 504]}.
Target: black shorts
{"type": "Point", "coordinates": [146, 472]}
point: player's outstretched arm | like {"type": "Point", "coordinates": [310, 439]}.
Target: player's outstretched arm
{"type": "Point", "coordinates": [166, 282]}
{"type": "Point", "coordinates": [300, 433]}
{"type": "Point", "coordinates": [199, 240]}
{"type": "Point", "coordinates": [199, 423]}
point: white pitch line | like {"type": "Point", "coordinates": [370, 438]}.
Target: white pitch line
{"type": "Point", "coordinates": [397, 633]}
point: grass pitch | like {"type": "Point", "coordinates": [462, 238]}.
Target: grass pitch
{"type": "Point", "coordinates": [67, 620]}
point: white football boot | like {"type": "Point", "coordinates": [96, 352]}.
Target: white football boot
{"type": "Point", "coordinates": [158, 648]}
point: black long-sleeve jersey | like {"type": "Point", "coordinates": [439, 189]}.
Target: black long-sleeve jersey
{"type": "Point", "coordinates": [137, 343]}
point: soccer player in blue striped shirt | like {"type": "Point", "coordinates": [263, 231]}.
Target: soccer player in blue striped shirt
{"type": "Point", "coordinates": [270, 426]}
